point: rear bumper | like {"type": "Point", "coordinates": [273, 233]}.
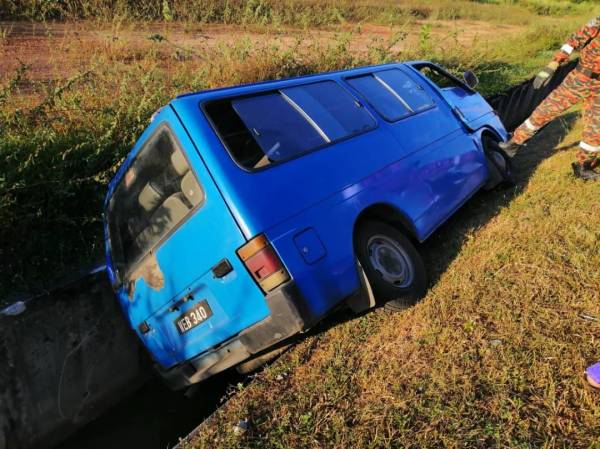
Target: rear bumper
{"type": "Point", "coordinates": [288, 317]}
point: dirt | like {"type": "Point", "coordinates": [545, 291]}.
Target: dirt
{"type": "Point", "coordinates": [55, 51]}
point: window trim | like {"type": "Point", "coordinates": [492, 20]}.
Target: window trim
{"type": "Point", "coordinates": [306, 117]}
{"type": "Point", "coordinates": [396, 95]}
{"type": "Point", "coordinates": [418, 66]}
{"type": "Point", "coordinates": [202, 105]}
{"type": "Point", "coordinates": [161, 126]}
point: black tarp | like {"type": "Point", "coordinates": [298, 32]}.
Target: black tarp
{"type": "Point", "coordinates": [517, 103]}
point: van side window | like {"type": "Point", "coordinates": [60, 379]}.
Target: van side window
{"type": "Point", "coordinates": [391, 93]}
{"type": "Point", "coordinates": [279, 129]}
{"type": "Point", "coordinates": [236, 137]}
{"type": "Point", "coordinates": [411, 92]}
{"type": "Point", "coordinates": [332, 109]}
{"type": "Point", "coordinates": [278, 126]}
{"type": "Point", "coordinates": [158, 191]}
{"type": "Point", "coordinates": [385, 101]}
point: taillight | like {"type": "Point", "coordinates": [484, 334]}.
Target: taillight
{"type": "Point", "coordinates": [262, 262]}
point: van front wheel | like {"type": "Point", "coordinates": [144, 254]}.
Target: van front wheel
{"type": "Point", "coordinates": [393, 266]}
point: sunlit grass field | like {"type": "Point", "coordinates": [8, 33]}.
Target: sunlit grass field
{"type": "Point", "coordinates": [305, 13]}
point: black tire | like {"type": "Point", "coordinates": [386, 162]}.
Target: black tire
{"type": "Point", "coordinates": [405, 281]}
{"type": "Point", "coordinates": [499, 164]}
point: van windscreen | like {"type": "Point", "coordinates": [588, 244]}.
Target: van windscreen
{"type": "Point", "coordinates": [280, 125]}
{"type": "Point", "coordinates": [156, 193]}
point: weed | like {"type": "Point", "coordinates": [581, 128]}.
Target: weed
{"type": "Point", "coordinates": [166, 11]}
{"type": "Point", "coordinates": [302, 13]}
{"type": "Point", "coordinates": [61, 141]}
{"type": "Point", "coordinates": [4, 33]}
{"type": "Point", "coordinates": [513, 268]}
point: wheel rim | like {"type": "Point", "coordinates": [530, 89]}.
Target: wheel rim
{"type": "Point", "coordinates": [390, 260]}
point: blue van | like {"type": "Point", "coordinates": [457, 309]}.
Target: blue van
{"type": "Point", "coordinates": [246, 214]}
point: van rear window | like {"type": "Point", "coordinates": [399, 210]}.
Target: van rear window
{"type": "Point", "coordinates": [158, 191]}
{"type": "Point", "coordinates": [284, 124]}
{"type": "Point", "coordinates": [392, 93]}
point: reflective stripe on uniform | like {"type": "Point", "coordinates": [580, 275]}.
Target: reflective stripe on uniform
{"type": "Point", "coordinates": [591, 148]}
{"type": "Point", "coordinates": [567, 49]}
{"type": "Point", "coordinates": [531, 126]}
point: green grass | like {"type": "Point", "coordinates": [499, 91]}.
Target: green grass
{"type": "Point", "coordinates": [62, 140]}
{"type": "Point", "coordinates": [493, 357]}
{"type": "Point", "coordinates": [303, 13]}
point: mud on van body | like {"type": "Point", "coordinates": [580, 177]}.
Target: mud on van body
{"type": "Point", "coordinates": [244, 215]}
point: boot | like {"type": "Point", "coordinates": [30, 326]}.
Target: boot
{"type": "Point", "coordinates": [593, 375]}
{"type": "Point", "coordinates": [510, 148]}
{"type": "Point", "coordinates": [584, 172]}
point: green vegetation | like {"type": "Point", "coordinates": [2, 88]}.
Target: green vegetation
{"type": "Point", "coordinates": [494, 354]}
{"type": "Point", "coordinates": [61, 140]}
{"type": "Point", "coordinates": [304, 13]}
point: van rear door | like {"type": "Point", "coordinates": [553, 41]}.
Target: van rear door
{"type": "Point", "coordinates": [173, 243]}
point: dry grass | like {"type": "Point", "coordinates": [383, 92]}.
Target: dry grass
{"type": "Point", "coordinates": [82, 95]}
{"type": "Point", "coordinates": [301, 13]}
{"type": "Point", "coordinates": [492, 357]}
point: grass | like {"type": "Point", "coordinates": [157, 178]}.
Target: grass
{"type": "Point", "coordinates": [494, 354]}
{"type": "Point", "coordinates": [64, 133]}
{"type": "Point", "coordinates": [492, 357]}
{"type": "Point", "coordinates": [302, 13]}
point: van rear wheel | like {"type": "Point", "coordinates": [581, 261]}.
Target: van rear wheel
{"type": "Point", "coordinates": [393, 266]}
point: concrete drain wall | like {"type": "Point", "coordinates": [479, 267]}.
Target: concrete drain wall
{"type": "Point", "coordinates": [64, 360]}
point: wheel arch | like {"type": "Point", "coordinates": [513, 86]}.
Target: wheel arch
{"type": "Point", "coordinates": [490, 132]}
{"type": "Point", "coordinates": [386, 213]}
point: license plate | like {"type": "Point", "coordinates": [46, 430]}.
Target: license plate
{"type": "Point", "coordinates": [193, 317]}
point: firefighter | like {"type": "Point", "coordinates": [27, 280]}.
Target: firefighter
{"type": "Point", "coordinates": [582, 84]}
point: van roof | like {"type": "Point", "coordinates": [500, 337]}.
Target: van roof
{"type": "Point", "coordinates": [264, 85]}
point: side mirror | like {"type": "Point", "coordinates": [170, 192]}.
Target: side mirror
{"type": "Point", "coordinates": [471, 79]}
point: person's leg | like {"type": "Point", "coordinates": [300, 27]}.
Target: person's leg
{"type": "Point", "coordinates": [588, 156]}
{"type": "Point", "coordinates": [590, 138]}
{"type": "Point", "coordinates": [572, 90]}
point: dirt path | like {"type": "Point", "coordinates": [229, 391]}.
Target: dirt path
{"type": "Point", "coordinates": [57, 50]}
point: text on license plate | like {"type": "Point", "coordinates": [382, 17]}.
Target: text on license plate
{"type": "Point", "coordinates": [193, 317]}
